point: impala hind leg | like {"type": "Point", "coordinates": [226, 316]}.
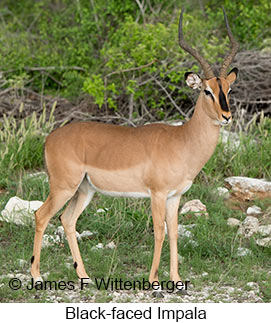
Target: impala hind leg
{"type": "Point", "coordinates": [69, 218]}
{"type": "Point", "coordinates": [55, 201]}
{"type": "Point", "coordinates": [158, 206]}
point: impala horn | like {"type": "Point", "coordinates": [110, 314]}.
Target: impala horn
{"type": "Point", "coordinates": [204, 64]}
{"type": "Point", "coordinates": [234, 48]}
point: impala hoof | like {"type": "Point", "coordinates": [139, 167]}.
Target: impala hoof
{"type": "Point", "coordinates": [38, 279]}
{"type": "Point", "coordinates": [182, 292]}
{"type": "Point", "coordinates": [158, 294]}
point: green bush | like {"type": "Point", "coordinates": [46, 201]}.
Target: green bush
{"type": "Point", "coordinates": [250, 19]}
{"type": "Point", "coordinates": [83, 44]}
{"type": "Point", "coordinates": [146, 62]}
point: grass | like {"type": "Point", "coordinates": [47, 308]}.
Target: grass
{"type": "Point", "coordinates": [127, 222]}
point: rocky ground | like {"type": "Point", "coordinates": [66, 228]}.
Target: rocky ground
{"type": "Point", "coordinates": [211, 293]}
{"type": "Point", "coordinates": [240, 188]}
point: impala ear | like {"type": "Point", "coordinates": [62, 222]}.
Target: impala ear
{"type": "Point", "coordinates": [193, 80]}
{"type": "Point", "coordinates": [232, 75]}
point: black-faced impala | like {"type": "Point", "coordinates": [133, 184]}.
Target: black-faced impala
{"type": "Point", "coordinates": [158, 161]}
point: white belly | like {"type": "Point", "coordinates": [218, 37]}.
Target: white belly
{"type": "Point", "coordinates": [118, 194]}
{"type": "Point", "coordinates": [135, 194]}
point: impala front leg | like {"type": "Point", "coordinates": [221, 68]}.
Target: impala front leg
{"type": "Point", "coordinates": [158, 207]}
{"type": "Point", "coordinates": [172, 228]}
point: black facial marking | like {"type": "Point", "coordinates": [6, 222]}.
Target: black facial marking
{"type": "Point", "coordinates": [226, 118]}
{"type": "Point", "coordinates": [209, 94]}
{"type": "Point", "coordinates": [32, 259]}
{"type": "Point", "coordinates": [222, 100]}
{"type": "Point", "coordinates": [75, 265]}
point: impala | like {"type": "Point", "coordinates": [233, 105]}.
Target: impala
{"type": "Point", "coordinates": [158, 161]}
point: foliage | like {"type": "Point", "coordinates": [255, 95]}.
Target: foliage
{"type": "Point", "coordinates": [21, 143]}
{"type": "Point", "coordinates": [92, 44]}
{"type": "Point", "coordinates": [146, 63]}
{"type": "Point", "coordinates": [251, 19]}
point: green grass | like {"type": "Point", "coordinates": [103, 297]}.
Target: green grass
{"type": "Point", "coordinates": [127, 222]}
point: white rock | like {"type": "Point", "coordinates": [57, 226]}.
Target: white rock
{"type": "Point", "coordinates": [78, 237]}
{"type": "Point", "coordinates": [170, 122]}
{"type": "Point", "coordinates": [194, 206]}
{"type": "Point", "coordinates": [183, 232]}
{"type": "Point", "coordinates": [223, 192]}
{"type": "Point", "coordinates": [249, 188]}
{"type": "Point", "coordinates": [111, 245]}
{"type": "Point", "coordinates": [254, 210]}
{"type": "Point", "coordinates": [265, 242]}
{"type": "Point", "coordinates": [233, 222]}
{"type": "Point", "coordinates": [204, 274]}
{"type": "Point", "coordinates": [86, 234]}
{"type": "Point", "coordinates": [251, 294]}
{"type": "Point", "coordinates": [60, 232]}
{"type": "Point", "coordinates": [176, 123]}
{"type": "Point", "coordinates": [249, 226]}
{"type": "Point", "coordinates": [241, 252]}
{"type": "Point", "coordinates": [104, 210]}
{"type": "Point", "coordinates": [97, 247]}
{"type": "Point", "coordinates": [251, 221]}
{"type": "Point", "coordinates": [49, 240]}
{"type": "Point", "coordinates": [253, 285]}
{"type": "Point", "coordinates": [19, 211]}
{"type": "Point", "coordinates": [230, 290]}
{"type": "Point", "coordinates": [265, 230]}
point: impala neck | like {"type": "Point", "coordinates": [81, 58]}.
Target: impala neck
{"type": "Point", "coordinates": [202, 134]}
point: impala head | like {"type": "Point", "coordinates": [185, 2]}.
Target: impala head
{"type": "Point", "coordinates": [214, 90]}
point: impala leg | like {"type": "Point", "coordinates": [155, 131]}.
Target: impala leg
{"type": "Point", "coordinates": [172, 227]}
{"type": "Point", "coordinates": [51, 206]}
{"type": "Point", "coordinates": [69, 219]}
{"type": "Point", "coordinates": [158, 206]}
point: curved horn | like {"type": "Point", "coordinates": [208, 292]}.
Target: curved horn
{"type": "Point", "coordinates": [204, 64]}
{"type": "Point", "coordinates": [234, 48]}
